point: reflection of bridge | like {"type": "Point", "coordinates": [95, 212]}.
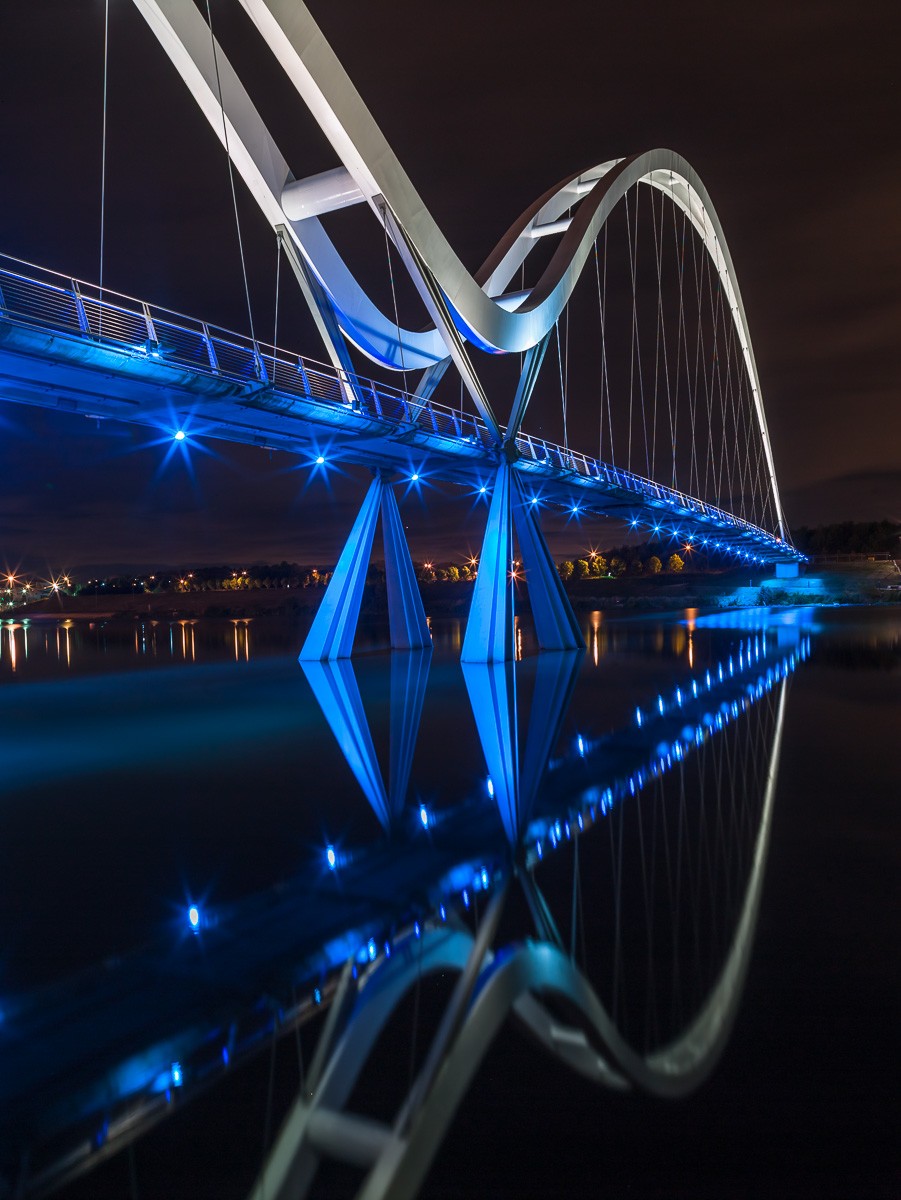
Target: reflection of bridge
{"type": "Point", "coordinates": [692, 394]}
{"type": "Point", "coordinates": [93, 1063]}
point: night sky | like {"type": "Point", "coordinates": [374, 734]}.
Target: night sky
{"type": "Point", "coordinates": [788, 111]}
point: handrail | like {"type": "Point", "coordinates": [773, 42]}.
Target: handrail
{"type": "Point", "coordinates": [108, 317]}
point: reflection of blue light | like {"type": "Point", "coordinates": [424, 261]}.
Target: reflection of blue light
{"type": "Point", "coordinates": [484, 877]}
{"type": "Point", "coordinates": [225, 1056]}
{"type": "Point", "coordinates": [194, 917]}
{"type": "Point", "coordinates": [443, 912]}
{"type": "Point", "coordinates": [490, 786]}
{"type": "Point", "coordinates": [638, 717]}
{"type": "Point", "coordinates": [465, 898]}
{"type": "Point", "coordinates": [371, 949]}
{"type": "Point", "coordinates": [424, 816]}
{"type": "Point", "coordinates": [417, 929]}
{"type": "Point", "coordinates": [177, 1078]}
{"type": "Point", "coordinates": [317, 996]}
{"type": "Point", "coordinates": [580, 743]}
{"type": "Point", "coordinates": [331, 857]}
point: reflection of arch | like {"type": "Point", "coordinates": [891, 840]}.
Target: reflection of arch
{"type": "Point", "coordinates": [397, 1157]}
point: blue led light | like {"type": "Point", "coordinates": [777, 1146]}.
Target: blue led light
{"type": "Point", "coordinates": [331, 857]}
{"type": "Point", "coordinates": [534, 499]}
{"type": "Point", "coordinates": [320, 460]}
{"type": "Point", "coordinates": [414, 477]}
{"type": "Point", "coordinates": [482, 490]}
{"type": "Point", "coordinates": [180, 435]}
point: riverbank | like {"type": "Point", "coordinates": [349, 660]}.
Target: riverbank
{"type": "Point", "coordinates": [844, 584]}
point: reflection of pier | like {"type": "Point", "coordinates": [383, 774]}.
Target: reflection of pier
{"type": "Point", "coordinates": [78, 1084]}
{"type": "Point", "coordinates": [336, 689]}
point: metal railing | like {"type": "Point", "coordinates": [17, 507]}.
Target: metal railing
{"type": "Point", "coordinates": [49, 300]}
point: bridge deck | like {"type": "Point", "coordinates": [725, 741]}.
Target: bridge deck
{"type": "Point", "coordinates": [66, 347]}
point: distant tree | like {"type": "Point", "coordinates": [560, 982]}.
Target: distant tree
{"type": "Point", "coordinates": [653, 566]}
{"type": "Point", "coordinates": [453, 574]}
{"type": "Point", "coordinates": [617, 566]}
{"type": "Point", "coordinates": [566, 570]}
{"type": "Point", "coordinates": [441, 574]}
{"type": "Point", "coordinates": [582, 569]}
{"type": "Point", "coordinates": [465, 572]}
{"type": "Point", "coordinates": [849, 537]}
{"type": "Point", "coordinates": [675, 563]}
{"type": "Point", "coordinates": [636, 566]}
{"type": "Point", "coordinates": [600, 564]}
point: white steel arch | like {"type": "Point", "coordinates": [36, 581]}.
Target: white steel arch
{"type": "Point", "coordinates": [477, 307]}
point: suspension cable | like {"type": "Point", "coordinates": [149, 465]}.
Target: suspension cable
{"type": "Point", "coordinates": [278, 275]}
{"type": "Point", "coordinates": [231, 172]}
{"type": "Point", "coordinates": [400, 344]}
{"type": "Point", "coordinates": [562, 384]}
{"type": "Point", "coordinates": [103, 145]}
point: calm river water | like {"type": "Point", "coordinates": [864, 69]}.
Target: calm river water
{"type": "Point", "coordinates": [152, 766]}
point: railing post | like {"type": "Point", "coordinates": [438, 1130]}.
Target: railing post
{"type": "Point", "coordinates": [210, 348]}
{"type": "Point", "coordinates": [80, 309]}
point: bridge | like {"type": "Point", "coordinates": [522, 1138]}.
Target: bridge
{"type": "Point", "coordinates": [680, 387]}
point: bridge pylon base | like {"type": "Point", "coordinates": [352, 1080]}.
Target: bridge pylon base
{"type": "Point", "coordinates": [489, 630]}
{"type": "Point", "coordinates": [335, 624]}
